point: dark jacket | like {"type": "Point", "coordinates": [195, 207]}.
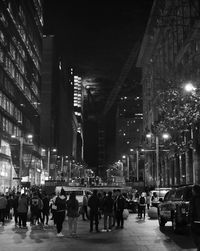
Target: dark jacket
{"type": "Point", "coordinates": [120, 203]}
{"type": "Point", "coordinates": [108, 204]}
{"type": "Point", "coordinates": [22, 205]}
{"type": "Point", "coordinates": [60, 203]}
{"type": "Point", "coordinates": [94, 203]}
{"type": "Point", "coordinates": [45, 201]}
{"type": "Point", "coordinates": [72, 208]}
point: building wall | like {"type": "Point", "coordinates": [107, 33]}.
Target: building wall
{"type": "Point", "coordinates": [169, 57]}
{"type": "Point", "coordinates": [20, 73]}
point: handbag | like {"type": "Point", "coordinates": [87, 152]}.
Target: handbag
{"type": "Point", "coordinates": [125, 213]}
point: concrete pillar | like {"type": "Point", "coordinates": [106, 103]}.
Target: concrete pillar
{"type": "Point", "coordinates": [196, 166]}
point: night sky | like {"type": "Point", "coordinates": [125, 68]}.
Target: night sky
{"type": "Point", "coordinates": [96, 37]}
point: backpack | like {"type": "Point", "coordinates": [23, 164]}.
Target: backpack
{"type": "Point", "coordinates": [35, 203]}
{"type": "Point", "coordinates": [142, 200]}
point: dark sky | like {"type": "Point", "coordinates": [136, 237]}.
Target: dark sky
{"type": "Point", "coordinates": [96, 35]}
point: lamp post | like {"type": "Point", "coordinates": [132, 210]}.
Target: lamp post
{"type": "Point", "coordinates": [165, 136]}
{"type": "Point", "coordinates": [126, 157]}
{"type": "Point", "coordinates": [21, 143]}
{"type": "Point", "coordinates": [54, 150]}
{"type": "Point", "coordinates": [190, 88]}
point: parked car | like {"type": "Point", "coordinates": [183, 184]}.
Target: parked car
{"type": "Point", "coordinates": [161, 191]}
{"type": "Point", "coordinates": [175, 208]}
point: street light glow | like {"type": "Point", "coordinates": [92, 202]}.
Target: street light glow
{"type": "Point", "coordinates": [148, 135]}
{"type": "Point", "coordinates": [189, 87]}
{"type": "Point", "coordinates": [165, 136]}
{"type": "Point", "coordinates": [29, 136]}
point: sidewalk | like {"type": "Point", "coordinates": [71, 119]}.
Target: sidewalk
{"type": "Point", "coordinates": [137, 235]}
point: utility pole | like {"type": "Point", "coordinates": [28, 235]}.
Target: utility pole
{"type": "Point", "coordinates": [21, 140]}
{"type": "Point", "coordinates": [48, 161]}
{"type": "Point", "coordinates": [137, 165]}
{"type": "Point", "coordinates": [157, 161]}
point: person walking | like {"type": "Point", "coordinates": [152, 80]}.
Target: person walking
{"type": "Point", "coordinates": [120, 205]}
{"type": "Point", "coordinates": [53, 207]}
{"type": "Point", "coordinates": [142, 205]}
{"type": "Point", "coordinates": [45, 209]}
{"type": "Point", "coordinates": [22, 211]}
{"type": "Point", "coordinates": [195, 215]}
{"type": "Point", "coordinates": [108, 209]}
{"type": "Point", "coordinates": [94, 205]}
{"type": "Point", "coordinates": [114, 196]}
{"type": "Point", "coordinates": [60, 203]}
{"type": "Point", "coordinates": [148, 200]}
{"type": "Point", "coordinates": [3, 204]}
{"type": "Point", "coordinates": [15, 206]}
{"type": "Point", "coordinates": [73, 214]}
{"type": "Point", "coordinates": [84, 206]}
{"type": "Point", "coordinates": [36, 206]}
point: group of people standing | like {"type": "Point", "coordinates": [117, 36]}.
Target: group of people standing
{"type": "Point", "coordinates": [109, 206]}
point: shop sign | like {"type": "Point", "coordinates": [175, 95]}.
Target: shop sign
{"type": "Point", "coordinates": [5, 148]}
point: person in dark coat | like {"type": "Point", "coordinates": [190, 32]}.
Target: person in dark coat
{"type": "Point", "coordinates": [45, 209]}
{"type": "Point", "coordinates": [73, 214]}
{"type": "Point", "coordinates": [120, 205]}
{"type": "Point", "coordinates": [108, 208]}
{"type": "Point", "coordinates": [61, 205]}
{"type": "Point", "coordinates": [195, 215]}
{"type": "Point", "coordinates": [22, 210]}
{"type": "Point", "coordinates": [15, 206]}
{"type": "Point", "coordinates": [94, 205]}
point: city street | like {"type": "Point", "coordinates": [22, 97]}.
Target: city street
{"type": "Point", "coordinates": [136, 235]}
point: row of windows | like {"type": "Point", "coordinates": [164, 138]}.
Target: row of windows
{"type": "Point", "coordinates": [9, 127]}
{"type": "Point", "coordinates": [14, 74]}
{"type": "Point", "coordinates": [17, 56]}
{"type": "Point", "coordinates": [28, 46]}
{"type": "Point", "coordinates": [8, 106]}
{"type": "Point", "coordinates": [25, 36]}
{"type": "Point", "coordinates": [7, 85]}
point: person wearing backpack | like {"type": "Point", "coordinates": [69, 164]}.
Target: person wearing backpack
{"type": "Point", "coordinates": [142, 205]}
{"type": "Point", "coordinates": [60, 203]}
{"type": "Point", "coordinates": [36, 208]}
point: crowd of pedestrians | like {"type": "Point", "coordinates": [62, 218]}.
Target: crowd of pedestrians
{"type": "Point", "coordinates": [37, 207]}
{"type": "Point", "coordinates": [110, 207]}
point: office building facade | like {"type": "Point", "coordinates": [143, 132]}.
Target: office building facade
{"type": "Point", "coordinates": [20, 82]}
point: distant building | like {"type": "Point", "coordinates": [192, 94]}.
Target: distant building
{"type": "Point", "coordinates": [20, 77]}
{"type": "Point", "coordinates": [49, 105]}
{"type": "Point", "coordinates": [129, 130]}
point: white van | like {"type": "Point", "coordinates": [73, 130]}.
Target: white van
{"type": "Point", "coordinates": [79, 191]}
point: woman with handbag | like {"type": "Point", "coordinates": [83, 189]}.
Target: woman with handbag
{"type": "Point", "coordinates": [73, 214]}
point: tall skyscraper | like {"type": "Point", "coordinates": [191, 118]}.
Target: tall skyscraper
{"type": "Point", "coordinates": [20, 81]}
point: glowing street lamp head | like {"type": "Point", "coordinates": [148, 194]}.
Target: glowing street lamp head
{"type": "Point", "coordinates": [29, 136]}
{"type": "Point", "coordinates": [148, 135]}
{"type": "Point", "coordinates": [165, 135]}
{"type": "Point", "coordinates": [189, 87]}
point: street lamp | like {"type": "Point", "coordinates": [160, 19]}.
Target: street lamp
{"type": "Point", "coordinates": [126, 157]}
{"type": "Point", "coordinates": [164, 136]}
{"type": "Point", "coordinates": [54, 150]}
{"type": "Point", "coordinates": [21, 142]}
{"type": "Point", "coordinates": [189, 87]}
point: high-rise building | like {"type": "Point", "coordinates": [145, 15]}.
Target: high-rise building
{"type": "Point", "coordinates": [20, 79]}
{"type": "Point", "coordinates": [129, 129]}
{"type": "Point", "coordinates": [78, 111]}
{"type": "Point", "coordinates": [49, 105]}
